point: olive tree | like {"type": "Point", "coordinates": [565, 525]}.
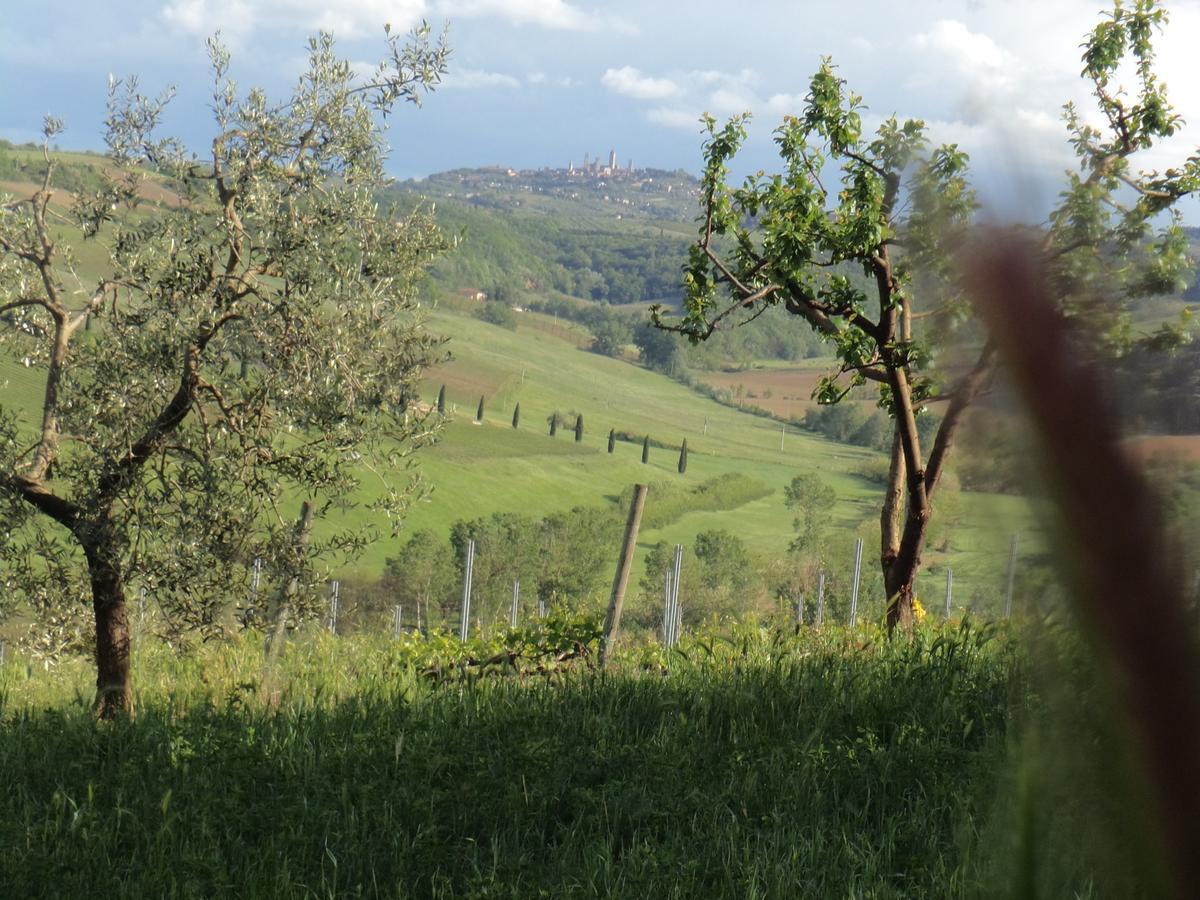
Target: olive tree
{"type": "Point", "coordinates": [855, 237]}
{"type": "Point", "coordinates": [255, 339]}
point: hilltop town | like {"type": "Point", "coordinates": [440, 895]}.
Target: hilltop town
{"type": "Point", "coordinates": [615, 189]}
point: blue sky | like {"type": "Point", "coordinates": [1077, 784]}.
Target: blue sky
{"type": "Point", "coordinates": [541, 82]}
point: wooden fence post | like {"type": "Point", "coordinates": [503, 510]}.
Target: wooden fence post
{"type": "Point", "coordinates": [612, 621]}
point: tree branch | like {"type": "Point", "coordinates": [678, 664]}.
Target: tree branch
{"type": "Point", "coordinates": [35, 493]}
{"type": "Point", "coordinates": [26, 301]}
{"type": "Point", "coordinates": [963, 395]}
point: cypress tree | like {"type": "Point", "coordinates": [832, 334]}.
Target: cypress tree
{"type": "Point", "coordinates": [479, 412]}
{"type": "Point", "coordinates": [683, 457]}
{"type": "Point", "coordinates": [578, 428]}
{"type": "Point", "coordinates": [612, 439]}
{"type": "Point", "coordinates": [516, 415]}
{"type": "Point", "coordinates": [442, 401]}
{"type": "Point", "coordinates": [553, 424]}
{"type": "Point", "coordinates": [646, 449]}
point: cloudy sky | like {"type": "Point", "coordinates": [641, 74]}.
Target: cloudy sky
{"type": "Point", "coordinates": [541, 82]}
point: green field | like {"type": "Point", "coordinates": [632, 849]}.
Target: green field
{"type": "Point", "coordinates": [480, 469]}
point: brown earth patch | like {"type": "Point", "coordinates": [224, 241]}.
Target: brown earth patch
{"type": "Point", "coordinates": [1180, 446]}
{"type": "Point", "coordinates": [786, 393]}
{"type": "Point", "coordinates": [148, 190]}
{"type": "Point", "coordinates": [24, 189]}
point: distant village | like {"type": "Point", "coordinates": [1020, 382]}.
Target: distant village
{"type": "Point", "coordinates": [646, 192]}
{"type": "Point", "coordinates": [596, 169]}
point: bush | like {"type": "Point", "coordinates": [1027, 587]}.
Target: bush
{"type": "Point", "coordinates": [497, 314]}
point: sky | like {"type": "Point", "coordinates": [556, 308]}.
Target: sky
{"type": "Point", "coordinates": [537, 83]}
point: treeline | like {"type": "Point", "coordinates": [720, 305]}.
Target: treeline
{"type": "Point", "coordinates": [564, 560]}
{"type": "Point", "coordinates": [1161, 392]}
{"type": "Point", "coordinates": [614, 329]}
{"type": "Point", "coordinates": [514, 254]}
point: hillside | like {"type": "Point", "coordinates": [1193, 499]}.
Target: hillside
{"type": "Point", "coordinates": [480, 469]}
{"type": "Point", "coordinates": [477, 470]}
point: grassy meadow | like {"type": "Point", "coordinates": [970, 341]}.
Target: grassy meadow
{"type": "Point", "coordinates": [762, 764]}
{"type": "Point", "coordinates": [763, 761]}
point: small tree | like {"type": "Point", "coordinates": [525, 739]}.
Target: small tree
{"type": "Point", "coordinates": [812, 499]}
{"type": "Point", "coordinates": [441, 401]}
{"type": "Point", "coordinates": [153, 460]}
{"type": "Point", "coordinates": [612, 440]}
{"type": "Point", "coordinates": [516, 415]}
{"type": "Point", "coordinates": [856, 235]}
{"type": "Point", "coordinates": [578, 428]}
{"type": "Point", "coordinates": [646, 449]}
{"type": "Point", "coordinates": [683, 457]}
{"type": "Point", "coordinates": [422, 576]}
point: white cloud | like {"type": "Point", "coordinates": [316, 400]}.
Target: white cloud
{"type": "Point", "coordinates": [473, 79]}
{"type": "Point", "coordinates": [707, 77]}
{"type": "Point", "coordinates": [541, 78]}
{"type": "Point", "coordinates": [356, 18]}
{"type": "Point", "coordinates": [969, 50]}
{"type": "Point", "coordinates": [785, 104]}
{"type": "Point", "coordinates": [630, 82]}
{"type": "Point", "coordinates": [345, 18]}
{"type": "Point", "coordinates": [730, 101]}
{"type": "Point", "coordinates": [674, 118]}
{"type": "Point", "coordinates": [546, 13]}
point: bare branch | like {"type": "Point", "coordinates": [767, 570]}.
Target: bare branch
{"type": "Point", "coordinates": [26, 301]}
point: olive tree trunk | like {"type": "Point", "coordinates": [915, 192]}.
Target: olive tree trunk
{"type": "Point", "coordinates": [114, 687]}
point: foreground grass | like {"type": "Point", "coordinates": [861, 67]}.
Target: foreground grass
{"type": "Point", "coordinates": [766, 765]}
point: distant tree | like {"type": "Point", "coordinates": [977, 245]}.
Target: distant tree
{"type": "Point", "coordinates": [717, 577]}
{"type": "Point", "coordinates": [496, 313]}
{"type": "Point", "coordinates": [574, 555]}
{"type": "Point", "coordinates": [553, 420]}
{"type": "Point", "coordinates": [153, 462]}
{"type": "Point", "coordinates": [479, 411]}
{"type": "Point", "coordinates": [612, 440]}
{"type": "Point", "coordinates": [516, 415]}
{"type": "Point", "coordinates": [506, 548]}
{"type": "Point", "coordinates": [859, 221]}
{"type": "Point", "coordinates": [441, 401]}
{"type": "Point", "coordinates": [811, 498]}
{"type": "Point", "coordinates": [658, 349]}
{"type": "Point", "coordinates": [609, 335]}
{"type": "Point", "coordinates": [578, 427]}
{"type": "Point", "coordinates": [646, 449]}
{"type": "Point", "coordinates": [683, 457]}
{"type": "Point", "coordinates": [725, 561]}
{"type": "Point", "coordinates": [422, 576]}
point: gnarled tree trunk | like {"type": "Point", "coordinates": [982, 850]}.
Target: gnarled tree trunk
{"type": "Point", "coordinates": [114, 687]}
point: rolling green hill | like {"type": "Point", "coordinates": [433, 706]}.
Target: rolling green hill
{"type": "Point", "coordinates": [479, 469]}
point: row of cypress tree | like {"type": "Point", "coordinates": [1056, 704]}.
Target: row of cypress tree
{"type": "Point", "coordinates": [553, 420]}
